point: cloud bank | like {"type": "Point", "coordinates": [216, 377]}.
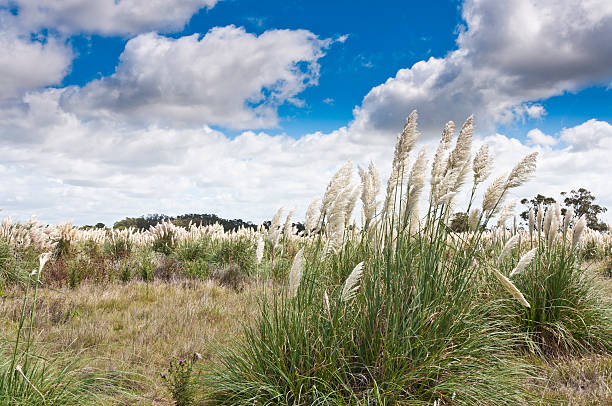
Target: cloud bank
{"type": "Point", "coordinates": [149, 138]}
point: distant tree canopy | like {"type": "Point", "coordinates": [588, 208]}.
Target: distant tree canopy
{"type": "Point", "coordinates": [459, 222]}
{"type": "Point", "coordinates": [535, 202]}
{"type": "Point", "coordinates": [144, 222]}
{"type": "Point", "coordinates": [582, 202]}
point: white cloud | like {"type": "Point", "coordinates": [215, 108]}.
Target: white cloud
{"type": "Point", "coordinates": [511, 54]}
{"type": "Point", "coordinates": [107, 17]}
{"type": "Point", "coordinates": [537, 137]}
{"type": "Point", "coordinates": [559, 170]}
{"type": "Point", "coordinates": [591, 135]}
{"type": "Point", "coordinates": [26, 64]}
{"type": "Point", "coordinates": [228, 77]}
{"type": "Point", "coordinates": [101, 170]}
{"type": "Point", "coordinates": [95, 153]}
{"type": "Point", "coordinates": [97, 169]}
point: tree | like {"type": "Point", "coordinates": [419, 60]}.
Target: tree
{"type": "Point", "coordinates": [535, 202]}
{"type": "Point", "coordinates": [459, 222]}
{"type": "Point", "coordinates": [582, 201]}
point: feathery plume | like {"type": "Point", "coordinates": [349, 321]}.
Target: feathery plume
{"type": "Point", "coordinates": [540, 216]}
{"type": "Point", "coordinates": [569, 214]}
{"type": "Point", "coordinates": [494, 194]}
{"type": "Point", "coordinates": [531, 220]}
{"type": "Point", "coordinates": [295, 274]}
{"type": "Point", "coordinates": [287, 227]}
{"type": "Point", "coordinates": [327, 307]}
{"type": "Point", "coordinates": [405, 142]}
{"type": "Point", "coordinates": [506, 212]}
{"type": "Point", "coordinates": [510, 244]}
{"type": "Point", "coordinates": [350, 205]}
{"type": "Point", "coordinates": [482, 165]}
{"type": "Point", "coordinates": [578, 230]}
{"type": "Point", "coordinates": [511, 288]}
{"type": "Point", "coordinates": [460, 156]}
{"type": "Point", "coordinates": [337, 217]}
{"type": "Point", "coordinates": [446, 198]}
{"type": "Point", "coordinates": [313, 215]}
{"type": "Point", "coordinates": [375, 177]}
{"type": "Point", "coordinates": [259, 252]}
{"type": "Point", "coordinates": [558, 213]}
{"type": "Point", "coordinates": [554, 227]}
{"type": "Point", "coordinates": [522, 171]}
{"type": "Point", "coordinates": [351, 285]}
{"type": "Point", "coordinates": [548, 218]}
{"type": "Point", "coordinates": [437, 168]}
{"type": "Point", "coordinates": [275, 223]}
{"type": "Point", "coordinates": [416, 180]}
{"type": "Point", "coordinates": [338, 182]}
{"type": "Point", "coordinates": [474, 219]}
{"type": "Point", "coordinates": [370, 187]}
{"type": "Point", "coordinates": [524, 261]}
{"type": "Point", "coordinates": [42, 260]}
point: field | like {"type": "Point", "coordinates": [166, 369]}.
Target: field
{"type": "Point", "coordinates": [387, 305]}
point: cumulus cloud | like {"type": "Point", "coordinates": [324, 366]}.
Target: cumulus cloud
{"type": "Point", "coordinates": [511, 53]}
{"type": "Point", "coordinates": [227, 77]}
{"type": "Point", "coordinates": [27, 64]}
{"type": "Point", "coordinates": [589, 136]}
{"type": "Point", "coordinates": [107, 17]}
{"type": "Point", "coordinates": [537, 137]}
{"type": "Point", "coordinates": [101, 170]}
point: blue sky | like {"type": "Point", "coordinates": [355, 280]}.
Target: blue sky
{"type": "Point", "coordinates": [112, 109]}
{"type": "Point", "coordinates": [381, 40]}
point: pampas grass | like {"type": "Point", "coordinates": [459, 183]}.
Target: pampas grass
{"type": "Point", "coordinates": [351, 285]}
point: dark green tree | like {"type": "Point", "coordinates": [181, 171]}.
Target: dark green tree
{"type": "Point", "coordinates": [535, 202]}
{"type": "Point", "coordinates": [459, 222]}
{"type": "Point", "coordinates": [582, 201]}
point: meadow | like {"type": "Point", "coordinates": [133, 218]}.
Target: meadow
{"type": "Point", "coordinates": [385, 305]}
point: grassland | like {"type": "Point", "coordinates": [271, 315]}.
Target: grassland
{"type": "Point", "coordinates": [399, 310]}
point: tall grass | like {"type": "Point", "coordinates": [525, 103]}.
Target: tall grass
{"type": "Point", "coordinates": [414, 329]}
{"type": "Point", "coordinates": [567, 313]}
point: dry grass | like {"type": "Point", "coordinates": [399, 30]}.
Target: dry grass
{"type": "Point", "coordinates": [580, 381]}
{"type": "Point", "coordinates": [139, 327]}
{"type": "Point", "coordinates": [136, 327]}
{"type": "Point", "coordinates": [584, 381]}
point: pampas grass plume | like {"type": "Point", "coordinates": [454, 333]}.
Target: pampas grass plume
{"type": "Point", "coordinates": [511, 288]}
{"type": "Point", "coordinates": [351, 285]}
{"type": "Point", "coordinates": [295, 274]}
{"type": "Point", "coordinates": [510, 244]}
{"type": "Point", "coordinates": [578, 229]}
{"type": "Point", "coordinates": [524, 261]}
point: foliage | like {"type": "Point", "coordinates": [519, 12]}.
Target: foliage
{"type": "Point", "coordinates": [415, 334]}
{"type": "Point", "coordinates": [582, 201]}
{"type": "Point", "coordinates": [534, 203]}
{"type": "Point", "coordinates": [150, 220]}
{"type": "Point", "coordinates": [459, 222]}
{"type": "Point", "coordinates": [567, 314]}
{"type": "Point", "coordinates": [178, 380]}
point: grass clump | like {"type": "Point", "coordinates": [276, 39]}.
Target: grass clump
{"type": "Point", "coordinates": [406, 326]}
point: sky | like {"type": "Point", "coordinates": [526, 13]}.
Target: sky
{"type": "Point", "coordinates": [116, 108]}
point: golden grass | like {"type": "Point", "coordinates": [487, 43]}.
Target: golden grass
{"type": "Point", "coordinates": [136, 327]}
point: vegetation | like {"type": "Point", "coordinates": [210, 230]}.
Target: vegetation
{"type": "Point", "coordinates": [441, 307]}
